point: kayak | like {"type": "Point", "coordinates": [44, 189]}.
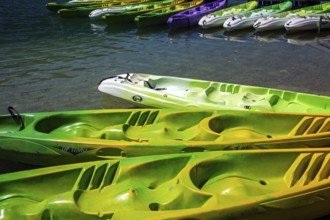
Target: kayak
{"type": "Point", "coordinates": [129, 15]}
{"type": "Point", "coordinates": [160, 16]}
{"type": "Point", "coordinates": [277, 21]}
{"type": "Point", "coordinates": [54, 6]}
{"type": "Point", "coordinates": [175, 92]}
{"type": "Point", "coordinates": [191, 16]}
{"type": "Point", "coordinates": [50, 138]}
{"type": "Point", "coordinates": [86, 10]}
{"type": "Point", "coordinates": [217, 18]}
{"type": "Point", "coordinates": [285, 184]}
{"type": "Point", "coordinates": [97, 14]}
{"type": "Point", "coordinates": [306, 23]}
{"type": "Point", "coordinates": [247, 19]}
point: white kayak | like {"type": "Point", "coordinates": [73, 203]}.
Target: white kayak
{"type": "Point", "coordinates": [98, 13]}
{"type": "Point", "coordinates": [305, 23]}
{"type": "Point", "coordinates": [216, 19]}
{"type": "Point", "coordinates": [247, 19]}
{"type": "Point", "coordinates": [277, 21]}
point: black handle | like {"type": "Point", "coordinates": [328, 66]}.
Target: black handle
{"type": "Point", "coordinates": [17, 117]}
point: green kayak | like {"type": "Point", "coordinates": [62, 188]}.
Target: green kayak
{"type": "Point", "coordinates": [129, 15]}
{"type": "Point", "coordinates": [86, 10]}
{"type": "Point", "coordinates": [281, 184]}
{"type": "Point", "coordinates": [54, 6]}
{"type": "Point", "coordinates": [175, 92]}
{"type": "Point", "coordinates": [74, 136]}
{"type": "Point", "coordinates": [161, 15]}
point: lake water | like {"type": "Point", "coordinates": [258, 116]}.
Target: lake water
{"type": "Point", "coordinates": [52, 64]}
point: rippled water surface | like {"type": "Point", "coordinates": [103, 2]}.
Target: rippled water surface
{"type": "Point", "coordinates": [51, 64]}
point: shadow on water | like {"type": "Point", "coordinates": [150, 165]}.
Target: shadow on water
{"type": "Point", "coordinates": [120, 28]}
{"type": "Point", "coordinates": [239, 35]}
{"type": "Point", "coordinates": [152, 30]}
{"type": "Point", "coordinates": [183, 32]}
{"type": "Point", "coordinates": [212, 33]}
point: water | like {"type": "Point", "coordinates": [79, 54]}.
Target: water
{"type": "Point", "coordinates": [52, 64]}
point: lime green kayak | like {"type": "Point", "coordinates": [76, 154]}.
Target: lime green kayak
{"type": "Point", "coordinates": [86, 10]}
{"type": "Point", "coordinates": [160, 16]}
{"type": "Point", "coordinates": [175, 92]}
{"type": "Point", "coordinates": [54, 6]}
{"type": "Point", "coordinates": [75, 136]}
{"type": "Point", "coordinates": [99, 13]}
{"type": "Point", "coordinates": [281, 184]}
{"type": "Point", "coordinates": [120, 17]}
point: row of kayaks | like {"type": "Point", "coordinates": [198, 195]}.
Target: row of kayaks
{"type": "Point", "coordinates": [234, 152]}
{"type": "Point", "coordinates": [187, 13]}
{"type": "Point", "coordinates": [196, 116]}
{"type": "Point", "coordinates": [269, 17]}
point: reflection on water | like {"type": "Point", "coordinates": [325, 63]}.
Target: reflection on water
{"type": "Point", "coordinates": [299, 38]}
{"type": "Point", "coordinates": [270, 36]}
{"type": "Point", "coordinates": [309, 37]}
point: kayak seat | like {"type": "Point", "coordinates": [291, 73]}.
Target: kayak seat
{"type": "Point", "coordinates": [216, 96]}
{"type": "Point", "coordinates": [229, 128]}
{"type": "Point", "coordinates": [216, 177]}
{"type": "Point", "coordinates": [151, 84]}
{"type": "Point", "coordinates": [85, 130]}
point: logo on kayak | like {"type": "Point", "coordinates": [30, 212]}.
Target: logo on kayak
{"type": "Point", "coordinates": [74, 150]}
{"type": "Point", "coordinates": [137, 98]}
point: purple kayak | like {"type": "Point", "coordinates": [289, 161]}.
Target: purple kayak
{"type": "Point", "coordinates": [190, 17]}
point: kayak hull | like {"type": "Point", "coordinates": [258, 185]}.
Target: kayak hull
{"type": "Point", "coordinates": [208, 185]}
{"type": "Point", "coordinates": [191, 16]}
{"type": "Point", "coordinates": [52, 138]}
{"type": "Point", "coordinates": [176, 92]}
{"type": "Point", "coordinates": [247, 19]}
{"type": "Point", "coordinates": [161, 16]}
{"type": "Point", "coordinates": [217, 18]}
{"type": "Point", "coordinates": [308, 23]}
{"type": "Point", "coordinates": [278, 21]}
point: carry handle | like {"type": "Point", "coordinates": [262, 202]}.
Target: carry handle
{"type": "Point", "coordinates": [17, 117]}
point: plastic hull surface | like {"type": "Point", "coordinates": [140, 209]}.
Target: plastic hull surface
{"type": "Point", "coordinates": [75, 136]}
{"type": "Point", "coordinates": [277, 21]}
{"type": "Point", "coordinates": [175, 92]}
{"type": "Point", "coordinates": [210, 185]}
{"type": "Point", "coordinates": [191, 16]}
{"type": "Point", "coordinates": [217, 18]}
{"type": "Point", "coordinates": [308, 23]}
{"type": "Point", "coordinates": [247, 19]}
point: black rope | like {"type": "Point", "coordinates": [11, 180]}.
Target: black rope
{"type": "Point", "coordinates": [17, 117]}
{"type": "Point", "coordinates": [126, 77]}
{"type": "Point", "coordinates": [149, 85]}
